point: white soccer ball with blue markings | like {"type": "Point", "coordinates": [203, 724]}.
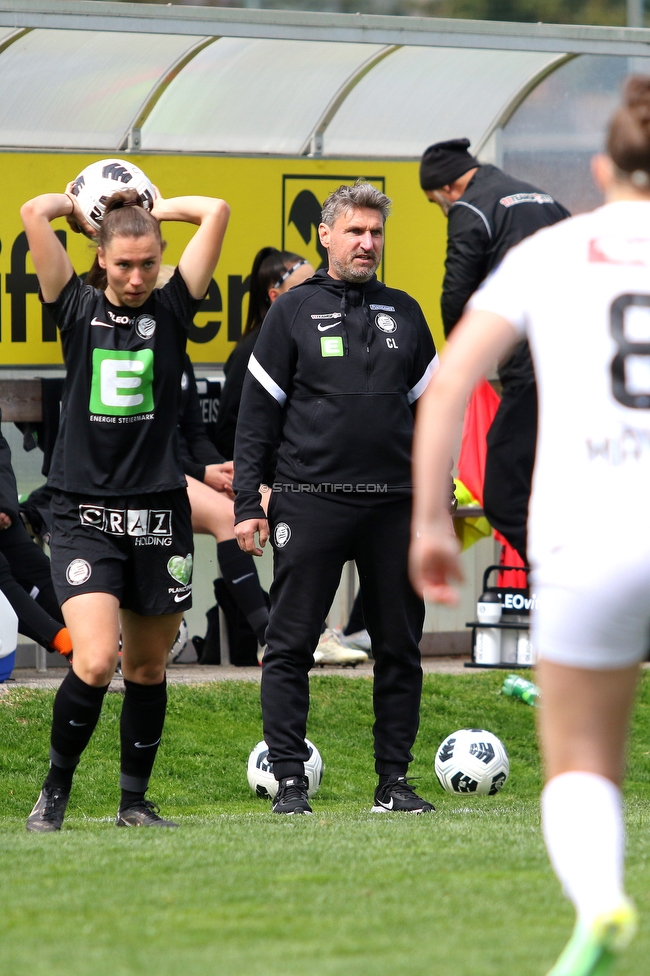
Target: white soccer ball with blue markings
{"type": "Point", "coordinates": [98, 182]}
{"type": "Point", "coordinates": [472, 761]}
{"type": "Point", "coordinates": [260, 771]}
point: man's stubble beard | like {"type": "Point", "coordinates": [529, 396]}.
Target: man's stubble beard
{"type": "Point", "coordinates": [349, 273]}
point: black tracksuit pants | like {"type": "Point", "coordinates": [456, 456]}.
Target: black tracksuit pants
{"type": "Point", "coordinates": [25, 568]}
{"type": "Point", "coordinates": [511, 443]}
{"type": "Point", "coordinates": [313, 536]}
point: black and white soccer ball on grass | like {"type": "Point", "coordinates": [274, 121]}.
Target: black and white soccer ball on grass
{"type": "Point", "coordinates": [472, 761]}
{"type": "Point", "coordinates": [97, 183]}
{"type": "Point", "coordinates": [260, 771]}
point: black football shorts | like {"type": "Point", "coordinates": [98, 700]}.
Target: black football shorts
{"type": "Point", "coordinates": [137, 547]}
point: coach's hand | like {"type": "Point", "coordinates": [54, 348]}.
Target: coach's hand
{"type": "Point", "coordinates": [245, 535]}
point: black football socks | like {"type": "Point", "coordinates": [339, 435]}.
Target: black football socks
{"type": "Point", "coordinates": [76, 711]}
{"type": "Point", "coordinates": [240, 576]}
{"type": "Point", "coordinates": [141, 728]}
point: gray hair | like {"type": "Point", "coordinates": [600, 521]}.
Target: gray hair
{"type": "Point", "coordinates": [347, 198]}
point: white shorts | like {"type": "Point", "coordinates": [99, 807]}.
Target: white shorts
{"type": "Point", "coordinates": [593, 607]}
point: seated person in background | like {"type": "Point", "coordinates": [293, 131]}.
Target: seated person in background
{"type": "Point", "coordinates": [25, 577]}
{"type": "Point", "coordinates": [209, 488]}
{"type": "Point", "coordinates": [273, 273]}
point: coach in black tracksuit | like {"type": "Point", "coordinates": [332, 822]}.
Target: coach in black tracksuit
{"type": "Point", "coordinates": [488, 213]}
{"type": "Point", "coordinates": [339, 365]}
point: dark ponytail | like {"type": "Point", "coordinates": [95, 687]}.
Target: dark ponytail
{"type": "Point", "coordinates": [628, 141]}
{"type": "Point", "coordinates": [268, 267]}
{"type": "Point", "coordinates": [124, 217]}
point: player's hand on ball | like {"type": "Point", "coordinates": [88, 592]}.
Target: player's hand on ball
{"type": "Point", "coordinates": [245, 535]}
{"type": "Point", "coordinates": [219, 477]}
{"type": "Point", "coordinates": [76, 219]}
{"type": "Point", "coordinates": [434, 564]}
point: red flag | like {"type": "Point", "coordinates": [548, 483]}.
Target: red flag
{"type": "Point", "coordinates": [481, 408]}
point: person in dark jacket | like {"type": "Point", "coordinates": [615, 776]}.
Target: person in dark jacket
{"type": "Point", "coordinates": [273, 273]}
{"type": "Point", "coordinates": [331, 387]}
{"type": "Point", "coordinates": [488, 213]}
{"type": "Point", "coordinates": [209, 489]}
{"type": "Point", "coordinates": [25, 577]}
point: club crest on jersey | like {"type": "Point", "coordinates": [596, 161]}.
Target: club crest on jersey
{"type": "Point", "coordinates": [145, 326]}
{"type": "Point", "coordinates": [385, 323]}
{"type": "Point", "coordinates": [281, 535]}
{"type": "Point", "coordinates": [78, 572]}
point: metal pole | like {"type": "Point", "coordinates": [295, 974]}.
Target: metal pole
{"type": "Point", "coordinates": [635, 13]}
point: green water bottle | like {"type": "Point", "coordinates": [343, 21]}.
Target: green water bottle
{"type": "Point", "coordinates": [518, 687]}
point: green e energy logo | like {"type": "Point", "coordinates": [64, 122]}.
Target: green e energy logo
{"type": "Point", "coordinates": [122, 382]}
{"type": "Point", "coordinates": [331, 346]}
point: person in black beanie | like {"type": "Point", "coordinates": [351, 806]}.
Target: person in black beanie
{"type": "Point", "coordinates": [488, 213]}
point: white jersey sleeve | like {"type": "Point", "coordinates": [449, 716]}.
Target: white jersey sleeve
{"type": "Point", "coordinates": [509, 289]}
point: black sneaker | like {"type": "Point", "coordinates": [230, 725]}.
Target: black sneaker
{"type": "Point", "coordinates": [292, 796]}
{"type": "Point", "coordinates": [49, 810]}
{"type": "Point", "coordinates": [144, 814]}
{"type": "Point", "coordinates": [398, 795]}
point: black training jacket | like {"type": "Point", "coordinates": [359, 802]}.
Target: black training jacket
{"type": "Point", "coordinates": [235, 371]}
{"type": "Point", "coordinates": [495, 212]}
{"type": "Point", "coordinates": [8, 488]}
{"type": "Point", "coordinates": [331, 385]}
{"type": "Point", "coordinates": [197, 450]}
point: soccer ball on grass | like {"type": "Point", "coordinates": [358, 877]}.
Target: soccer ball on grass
{"type": "Point", "coordinates": [472, 761]}
{"type": "Point", "coordinates": [98, 182]}
{"type": "Point", "coordinates": [260, 771]}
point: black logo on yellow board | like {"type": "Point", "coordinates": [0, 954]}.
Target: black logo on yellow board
{"type": "Point", "coordinates": [303, 196]}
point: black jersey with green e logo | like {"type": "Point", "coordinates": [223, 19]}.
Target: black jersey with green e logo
{"type": "Point", "coordinates": [119, 416]}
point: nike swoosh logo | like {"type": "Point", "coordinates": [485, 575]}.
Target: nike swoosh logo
{"type": "Point", "coordinates": [388, 806]}
{"type": "Point", "coordinates": [178, 597]}
{"type": "Point", "coordinates": [241, 578]}
{"type": "Point", "coordinates": [146, 745]}
{"type": "Point", "coordinates": [77, 725]}
{"type": "Point", "coordinates": [96, 321]}
{"type": "Point", "coordinates": [324, 328]}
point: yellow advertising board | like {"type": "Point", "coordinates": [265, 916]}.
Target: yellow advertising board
{"type": "Point", "coordinates": [273, 202]}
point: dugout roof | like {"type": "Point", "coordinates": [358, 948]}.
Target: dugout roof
{"type": "Point", "coordinates": [113, 77]}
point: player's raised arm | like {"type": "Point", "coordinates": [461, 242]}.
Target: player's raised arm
{"type": "Point", "coordinates": [50, 258]}
{"type": "Point", "coordinates": [478, 341]}
{"type": "Point", "coordinates": [200, 257]}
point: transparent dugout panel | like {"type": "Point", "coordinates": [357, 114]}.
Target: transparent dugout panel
{"type": "Point", "coordinates": [550, 139]}
{"type": "Point", "coordinates": [79, 89]}
{"type": "Point", "coordinates": [252, 96]}
{"type": "Point", "coordinates": [418, 96]}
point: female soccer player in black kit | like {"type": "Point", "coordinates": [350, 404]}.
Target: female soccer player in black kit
{"type": "Point", "coordinates": [121, 533]}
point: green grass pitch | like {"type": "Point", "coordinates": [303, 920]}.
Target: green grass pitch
{"type": "Point", "coordinates": [466, 891]}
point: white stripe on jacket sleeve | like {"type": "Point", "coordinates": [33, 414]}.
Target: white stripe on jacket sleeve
{"type": "Point", "coordinates": [422, 383]}
{"type": "Point", "coordinates": [266, 381]}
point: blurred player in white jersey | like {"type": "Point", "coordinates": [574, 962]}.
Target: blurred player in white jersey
{"type": "Point", "coordinates": [580, 292]}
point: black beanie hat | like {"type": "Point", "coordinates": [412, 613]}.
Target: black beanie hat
{"type": "Point", "coordinates": [444, 163]}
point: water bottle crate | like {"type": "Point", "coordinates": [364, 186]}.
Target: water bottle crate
{"type": "Point", "coordinates": [500, 635]}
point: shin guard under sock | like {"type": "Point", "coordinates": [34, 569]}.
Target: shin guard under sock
{"type": "Point", "coordinates": [240, 576]}
{"type": "Point", "coordinates": [76, 711]}
{"type": "Point", "coordinates": [141, 726]}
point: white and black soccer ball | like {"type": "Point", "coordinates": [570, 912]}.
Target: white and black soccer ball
{"type": "Point", "coordinates": [180, 643]}
{"type": "Point", "coordinates": [98, 182]}
{"type": "Point", "coordinates": [260, 771]}
{"type": "Point", "coordinates": [472, 761]}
